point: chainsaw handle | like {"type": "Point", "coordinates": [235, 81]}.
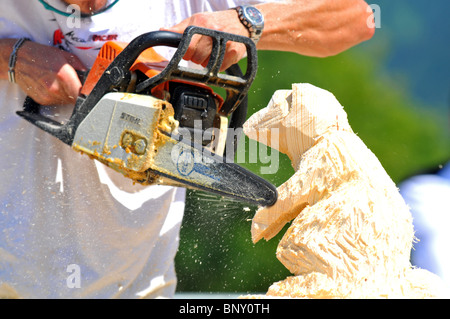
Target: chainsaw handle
{"type": "Point", "coordinates": [64, 132]}
{"type": "Point", "coordinates": [31, 106]}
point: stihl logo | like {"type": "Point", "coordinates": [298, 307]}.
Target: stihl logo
{"type": "Point", "coordinates": [72, 39]}
{"type": "Point", "coordinates": [130, 118]}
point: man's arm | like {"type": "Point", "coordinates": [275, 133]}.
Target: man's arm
{"type": "Point", "coordinates": [44, 73]}
{"type": "Point", "coordinates": [315, 28]}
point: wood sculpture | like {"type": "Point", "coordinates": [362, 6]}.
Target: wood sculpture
{"type": "Point", "coordinates": [352, 232]}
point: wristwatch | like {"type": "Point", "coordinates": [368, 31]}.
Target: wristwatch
{"type": "Point", "coordinates": [252, 19]}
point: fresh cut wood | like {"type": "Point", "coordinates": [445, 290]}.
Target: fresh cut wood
{"type": "Point", "coordinates": [351, 234]}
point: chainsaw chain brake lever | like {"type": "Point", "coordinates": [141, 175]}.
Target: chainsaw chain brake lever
{"type": "Point", "coordinates": [118, 72]}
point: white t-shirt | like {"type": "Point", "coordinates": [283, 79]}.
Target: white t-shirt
{"type": "Point", "coordinates": [69, 226]}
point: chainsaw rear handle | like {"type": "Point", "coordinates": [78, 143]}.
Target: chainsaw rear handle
{"type": "Point", "coordinates": [118, 73]}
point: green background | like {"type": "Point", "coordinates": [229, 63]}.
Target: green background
{"type": "Point", "coordinates": [379, 84]}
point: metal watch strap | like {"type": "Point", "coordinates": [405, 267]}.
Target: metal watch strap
{"type": "Point", "coordinates": [13, 59]}
{"type": "Point", "coordinates": [255, 32]}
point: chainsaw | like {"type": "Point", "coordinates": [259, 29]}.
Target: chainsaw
{"type": "Point", "coordinates": [141, 115]}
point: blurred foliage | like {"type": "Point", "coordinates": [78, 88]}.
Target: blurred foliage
{"type": "Point", "coordinates": [216, 253]}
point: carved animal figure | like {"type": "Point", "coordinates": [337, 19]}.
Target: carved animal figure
{"type": "Point", "coordinates": [352, 232]}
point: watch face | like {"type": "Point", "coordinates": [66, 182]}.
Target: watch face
{"type": "Point", "coordinates": [254, 15]}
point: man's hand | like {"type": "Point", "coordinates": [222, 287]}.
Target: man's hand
{"type": "Point", "coordinates": [200, 47]}
{"type": "Point", "coordinates": [47, 74]}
